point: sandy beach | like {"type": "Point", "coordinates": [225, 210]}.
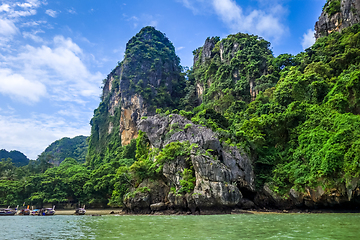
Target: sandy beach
{"type": "Point", "coordinates": [90, 211]}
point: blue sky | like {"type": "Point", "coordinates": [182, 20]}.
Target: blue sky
{"type": "Point", "coordinates": [54, 54]}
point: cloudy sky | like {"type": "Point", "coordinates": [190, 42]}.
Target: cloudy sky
{"type": "Point", "coordinates": [54, 54]}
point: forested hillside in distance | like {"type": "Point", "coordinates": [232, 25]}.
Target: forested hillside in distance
{"type": "Point", "coordinates": [18, 158]}
{"type": "Point", "coordinates": [76, 148]}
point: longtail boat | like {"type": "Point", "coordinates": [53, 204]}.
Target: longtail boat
{"type": "Point", "coordinates": [8, 211]}
{"type": "Point", "coordinates": [43, 211]}
{"type": "Point", "coordinates": [48, 211]}
{"type": "Point", "coordinates": [80, 211]}
{"type": "Point", "coordinates": [24, 211]}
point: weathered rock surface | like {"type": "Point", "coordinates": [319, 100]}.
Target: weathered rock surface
{"type": "Point", "coordinates": [317, 197]}
{"type": "Point", "coordinates": [348, 15]}
{"type": "Point", "coordinates": [142, 201]}
{"type": "Point", "coordinates": [158, 206]}
{"type": "Point", "coordinates": [142, 72]}
{"type": "Point", "coordinates": [218, 175]}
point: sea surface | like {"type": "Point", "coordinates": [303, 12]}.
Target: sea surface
{"type": "Point", "coordinates": [244, 226]}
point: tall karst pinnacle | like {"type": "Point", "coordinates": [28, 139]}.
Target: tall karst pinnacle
{"type": "Point", "coordinates": [148, 78]}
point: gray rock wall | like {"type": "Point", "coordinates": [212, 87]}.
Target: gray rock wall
{"type": "Point", "coordinates": [218, 176]}
{"type": "Point", "coordinates": [348, 15]}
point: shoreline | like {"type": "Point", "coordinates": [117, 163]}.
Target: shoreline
{"type": "Point", "coordinates": [118, 211]}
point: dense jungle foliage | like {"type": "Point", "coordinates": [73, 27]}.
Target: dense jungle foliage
{"type": "Point", "coordinates": [40, 182]}
{"type": "Point", "coordinates": [301, 127]}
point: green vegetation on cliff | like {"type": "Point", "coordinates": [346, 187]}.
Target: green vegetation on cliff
{"type": "Point", "coordinates": [231, 72]}
{"type": "Point", "coordinates": [150, 57]}
{"type": "Point", "coordinates": [151, 70]}
{"type": "Point", "coordinates": [104, 146]}
{"type": "Point", "coordinates": [332, 6]}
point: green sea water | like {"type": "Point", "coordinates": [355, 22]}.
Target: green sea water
{"type": "Point", "coordinates": [256, 226]}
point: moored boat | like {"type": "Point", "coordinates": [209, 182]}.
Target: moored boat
{"type": "Point", "coordinates": [8, 211]}
{"type": "Point", "coordinates": [48, 211]}
{"type": "Point", "coordinates": [24, 212]}
{"type": "Point", "coordinates": [80, 211]}
{"type": "Point", "coordinates": [43, 212]}
{"type": "Point", "coordinates": [35, 212]}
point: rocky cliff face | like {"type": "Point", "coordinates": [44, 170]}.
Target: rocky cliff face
{"type": "Point", "coordinates": [221, 172]}
{"type": "Point", "coordinates": [337, 15]}
{"type": "Point", "coordinates": [148, 78]}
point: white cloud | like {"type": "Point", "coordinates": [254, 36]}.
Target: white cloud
{"type": "Point", "coordinates": [32, 135]}
{"type": "Point", "coordinates": [179, 48]}
{"type": "Point", "coordinates": [71, 11]}
{"type": "Point", "coordinates": [188, 5]}
{"type": "Point", "coordinates": [30, 4]}
{"type": "Point", "coordinates": [59, 67]}
{"type": "Point", "coordinates": [11, 14]}
{"type": "Point", "coordinates": [56, 70]}
{"type": "Point", "coordinates": [32, 23]}
{"type": "Point", "coordinates": [257, 22]}
{"type": "Point", "coordinates": [7, 28]}
{"type": "Point", "coordinates": [133, 19]}
{"type": "Point", "coordinates": [4, 8]}
{"type": "Point", "coordinates": [265, 21]}
{"type": "Point", "coordinates": [27, 8]}
{"type": "Point", "coordinates": [20, 88]}
{"type": "Point", "coordinates": [17, 14]}
{"type": "Point", "coordinates": [308, 39]}
{"type": "Point", "coordinates": [33, 37]}
{"type": "Point", "coordinates": [51, 13]}
{"type": "Point", "coordinates": [196, 6]}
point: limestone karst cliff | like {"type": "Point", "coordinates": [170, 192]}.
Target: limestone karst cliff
{"type": "Point", "coordinates": [149, 77]}
{"type": "Point", "coordinates": [336, 16]}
